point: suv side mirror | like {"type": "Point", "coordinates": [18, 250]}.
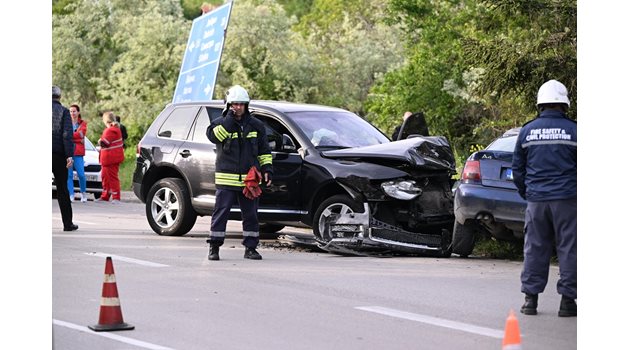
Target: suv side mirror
{"type": "Point", "coordinates": [287, 143]}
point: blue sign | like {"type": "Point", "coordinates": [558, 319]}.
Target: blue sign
{"type": "Point", "coordinates": [198, 74]}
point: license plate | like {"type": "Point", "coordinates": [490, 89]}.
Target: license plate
{"type": "Point", "coordinates": [508, 174]}
{"type": "Point", "coordinates": [87, 177]}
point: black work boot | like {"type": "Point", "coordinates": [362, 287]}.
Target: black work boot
{"type": "Point", "coordinates": [568, 307]}
{"type": "Point", "coordinates": [251, 253]}
{"type": "Point", "coordinates": [531, 304]}
{"type": "Point", "coordinates": [214, 251]}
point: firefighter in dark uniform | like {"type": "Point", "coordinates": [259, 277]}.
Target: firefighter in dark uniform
{"type": "Point", "coordinates": [545, 173]}
{"type": "Point", "coordinates": [241, 143]}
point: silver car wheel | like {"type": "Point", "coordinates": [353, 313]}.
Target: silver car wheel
{"type": "Point", "coordinates": [165, 207]}
{"type": "Point", "coordinates": [329, 214]}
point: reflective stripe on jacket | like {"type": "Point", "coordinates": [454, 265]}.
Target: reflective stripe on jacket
{"type": "Point", "coordinates": [240, 145]}
{"type": "Point", "coordinates": [112, 146]}
{"type": "Point", "coordinates": [545, 158]}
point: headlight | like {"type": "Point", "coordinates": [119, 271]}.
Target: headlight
{"type": "Point", "coordinates": [405, 189]}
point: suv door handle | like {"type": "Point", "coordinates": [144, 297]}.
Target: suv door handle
{"type": "Point", "coordinates": [185, 153]}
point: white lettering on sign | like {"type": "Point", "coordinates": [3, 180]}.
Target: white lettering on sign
{"type": "Point", "coordinates": [187, 91]}
{"type": "Point", "coordinates": [190, 79]}
{"type": "Point", "coordinates": [217, 46]}
{"type": "Point", "coordinates": [207, 46]}
{"type": "Point", "coordinates": [208, 33]}
{"type": "Point", "coordinates": [203, 57]}
{"type": "Point", "coordinates": [547, 134]}
{"type": "Point", "coordinates": [211, 21]}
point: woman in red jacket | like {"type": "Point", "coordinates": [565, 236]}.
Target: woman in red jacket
{"type": "Point", "coordinates": [111, 156]}
{"type": "Point", "coordinates": [78, 137]}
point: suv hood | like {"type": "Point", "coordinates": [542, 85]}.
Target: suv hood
{"type": "Point", "coordinates": [432, 152]}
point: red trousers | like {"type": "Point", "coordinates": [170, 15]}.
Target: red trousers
{"type": "Point", "coordinates": [111, 183]}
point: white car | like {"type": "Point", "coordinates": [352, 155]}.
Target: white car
{"type": "Point", "coordinates": [94, 183]}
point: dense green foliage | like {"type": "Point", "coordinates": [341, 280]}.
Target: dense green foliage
{"type": "Point", "coordinates": [472, 66]}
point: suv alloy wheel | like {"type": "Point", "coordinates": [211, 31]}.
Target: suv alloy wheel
{"type": "Point", "coordinates": [168, 208]}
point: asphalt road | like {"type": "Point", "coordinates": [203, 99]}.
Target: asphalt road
{"type": "Point", "coordinates": [294, 298]}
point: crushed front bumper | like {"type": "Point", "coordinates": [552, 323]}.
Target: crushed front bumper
{"type": "Point", "coordinates": [357, 232]}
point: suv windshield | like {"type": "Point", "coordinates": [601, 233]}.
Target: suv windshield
{"type": "Point", "coordinates": [337, 129]}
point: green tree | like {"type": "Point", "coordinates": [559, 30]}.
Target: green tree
{"type": "Point", "coordinates": [297, 8]}
{"type": "Point", "coordinates": [534, 41]}
{"type": "Point", "coordinates": [474, 67]}
{"type": "Point", "coordinates": [192, 8]}
{"type": "Point", "coordinates": [265, 56]}
{"type": "Point", "coordinates": [353, 46]}
{"type": "Point", "coordinates": [59, 6]}
{"type": "Point", "coordinates": [119, 55]}
{"type": "Point", "coordinates": [433, 32]}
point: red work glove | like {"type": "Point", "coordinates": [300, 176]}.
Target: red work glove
{"type": "Point", "coordinates": [252, 180]}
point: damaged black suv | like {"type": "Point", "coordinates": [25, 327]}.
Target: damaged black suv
{"type": "Point", "coordinates": [333, 172]}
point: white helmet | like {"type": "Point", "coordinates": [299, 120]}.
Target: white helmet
{"type": "Point", "coordinates": [236, 94]}
{"type": "Point", "coordinates": [553, 91]}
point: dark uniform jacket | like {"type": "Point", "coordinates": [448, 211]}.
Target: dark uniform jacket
{"type": "Point", "coordinates": [240, 145]}
{"type": "Point", "coordinates": [545, 158]}
{"type": "Point", "coordinates": [61, 130]}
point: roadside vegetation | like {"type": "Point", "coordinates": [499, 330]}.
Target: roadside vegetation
{"type": "Point", "coordinates": [472, 66]}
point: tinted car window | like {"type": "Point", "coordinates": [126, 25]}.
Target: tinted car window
{"type": "Point", "coordinates": [337, 129]}
{"type": "Point", "coordinates": [275, 130]}
{"type": "Point", "coordinates": [505, 144]}
{"type": "Point", "coordinates": [202, 123]}
{"type": "Point", "coordinates": [177, 125]}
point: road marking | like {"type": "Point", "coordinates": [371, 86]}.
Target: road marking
{"type": "Point", "coordinates": [77, 222]}
{"type": "Point", "coordinates": [130, 260]}
{"type": "Point", "coordinates": [111, 336]}
{"type": "Point", "coordinates": [488, 332]}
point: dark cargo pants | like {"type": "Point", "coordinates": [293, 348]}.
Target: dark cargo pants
{"type": "Point", "coordinates": [249, 214]}
{"type": "Point", "coordinates": [547, 224]}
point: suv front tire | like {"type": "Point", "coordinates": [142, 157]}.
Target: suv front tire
{"type": "Point", "coordinates": [168, 208]}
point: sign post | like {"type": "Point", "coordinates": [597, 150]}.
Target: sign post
{"type": "Point", "coordinates": [200, 65]}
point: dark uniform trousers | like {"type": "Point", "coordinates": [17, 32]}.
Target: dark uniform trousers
{"type": "Point", "coordinates": [61, 182]}
{"type": "Point", "coordinates": [545, 223]}
{"type": "Point", "coordinates": [249, 215]}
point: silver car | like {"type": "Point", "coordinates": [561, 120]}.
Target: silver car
{"type": "Point", "coordinates": [92, 166]}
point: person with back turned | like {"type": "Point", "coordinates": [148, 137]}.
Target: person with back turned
{"type": "Point", "coordinates": [545, 173]}
{"type": "Point", "coordinates": [62, 153]}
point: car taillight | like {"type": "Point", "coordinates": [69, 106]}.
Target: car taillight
{"type": "Point", "coordinates": [138, 150]}
{"type": "Point", "coordinates": [472, 172]}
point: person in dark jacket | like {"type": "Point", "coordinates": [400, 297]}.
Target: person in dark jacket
{"type": "Point", "coordinates": [545, 173]}
{"type": "Point", "coordinates": [123, 131]}
{"type": "Point", "coordinates": [62, 153]}
{"type": "Point", "coordinates": [417, 127]}
{"type": "Point", "coordinates": [241, 143]}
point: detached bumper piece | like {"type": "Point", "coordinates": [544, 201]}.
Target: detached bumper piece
{"type": "Point", "coordinates": [352, 235]}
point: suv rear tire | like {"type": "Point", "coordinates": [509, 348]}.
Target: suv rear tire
{"type": "Point", "coordinates": [168, 208]}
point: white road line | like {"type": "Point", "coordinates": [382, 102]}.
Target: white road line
{"type": "Point", "coordinates": [111, 336]}
{"type": "Point", "coordinates": [129, 260]}
{"type": "Point", "coordinates": [440, 322]}
{"type": "Point", "coordinates": [77, 222]}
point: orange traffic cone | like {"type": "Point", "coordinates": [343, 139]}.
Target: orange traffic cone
{"type": "Point", "coordinates": [512, 337]}
{"type": "Point", "coordinates": [110, 318]}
